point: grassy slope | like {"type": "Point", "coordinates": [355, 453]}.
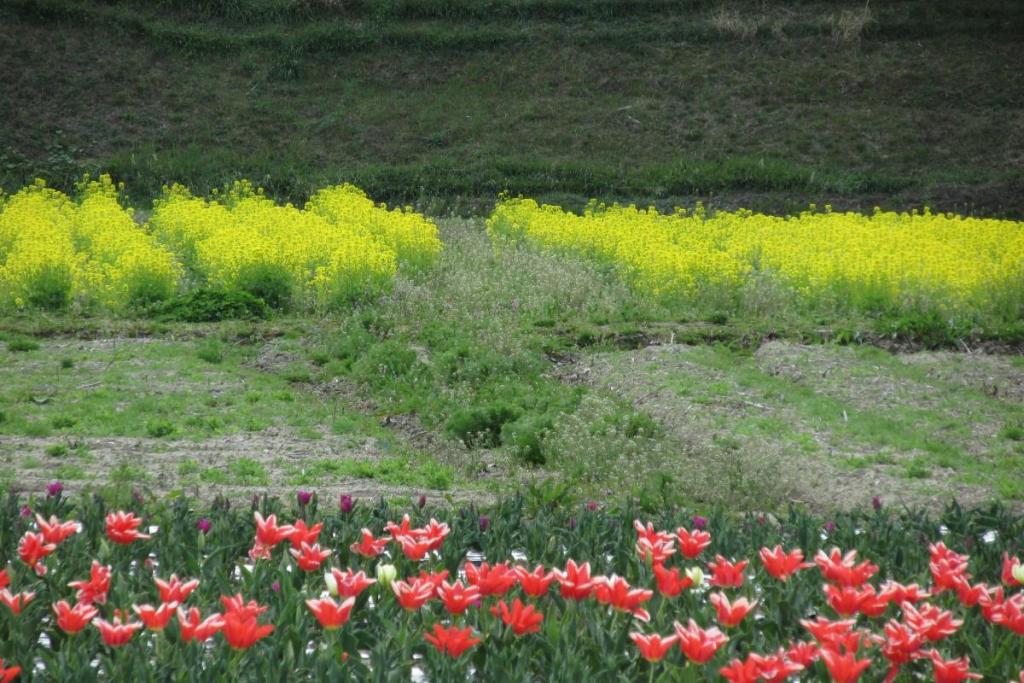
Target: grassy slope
{"type": "Point", "coordinates": [447, 103]}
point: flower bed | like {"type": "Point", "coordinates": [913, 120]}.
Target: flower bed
{"type": "Point", "coordinates": [514, 592]}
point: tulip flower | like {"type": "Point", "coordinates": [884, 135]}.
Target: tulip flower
{"type": "Point", "coordinates": [653, 647]}
{"type": "Point", "coordinates": [726, 574]}
{"type": "Point", "coordinates": [174, 589]}
{"type": "Point", "coordinates": [649, 534]}
{"type": "Point", "coordinates": [843, 569]}
{"type": "Point", "coordinates": [122, 528]}
{"type": "Point", "coordinates": [969, 595]}
{"type": "Point", "coordinates": [491, 580]}
{"type": "Point", "coordinates": [155, 618]}
{"type": "Point", "coordinates": [522, 619]}
{"type": "Point", "coordinates": [414, 548]}
{"type": "Point", "coordinates": [194, 628]}
{"type": "Point", "coordinates": [56, 532]}
{"type": "Point", "coordinates": [386, 574]}
{"type": "Point", "coordinates": [1010, 614]}
{"type": "Point", "coordinates": [412, 596]}
{"type": "Point", "coordinates": [116, 633]}
{"type": "Point", "coordinates": [535, 583]}
{"type": "Point", "coordinates": [8, 673]}
{"type": "Point", "coordinates": [828, 632]}
{"type": "Point", "coordinates": [730, 613]}
{"type": "Point", "coordinates": [617, 593]}
{"type": "Point", "coordinates": [670, 583]}
{"type": "Point", "coordinates": [655, 552]}
{"type": "Point", "coordinates": [309, 557]}
{"type": "Point", "coordinates": [330, 614]}
{"type": "Point", "coordinates": [241, 629]}
{"type": "Point", "coordinates": [847, 600]}
{"type": "Point", "coordinates": [843, 667]}
{"type": "Point", "coordinates": [32, 548]}
{"type": "Point", "coordinates": [369, 546]}
{"type": "Point", "coordinates": [803, 653]}
{"type": "Point", "coordinates": [930, 621]}
{"type": "Point", "coordinates": [699, 645]}
{"type": "Point", "coordinates": [73, 619]}
{"type": "Point", "coordinates": [778, 667]}
{"type": "Point", "coordinates": [94, 591]}
{"type": "Point", "coordinates": [575, 581]}
{"type": "Point", "coordinates": [5, 578]}
{"type": "Point", "coordinates": [268, 533]}
{"type": "Point", "coordinates": [345, 504]}
{"type": "Point", "coordinates": [952, 670]}
{"type": "Point", "coordinates": [1013, 571]}
{"type": "Point", "coordinates": [347, 584]}
{"type": "Point", "coordinates": [781, 564]}
{"type": "Point", "coordinates": [436, 578]}
{"type": "Point", "coordinates": [301, 533]}
{"type": "Point", "coordinates": [204, 525]}
{"type": "Point", "coordinates": [898, 593]}
{"type": "Point", "coordinates": [452, 640]}
{"type": "Point", "coordinates": [692, 544]}
{"type": "Point", "coordinates": [742, 671]}
{"type": "Point", "coordinates": [900, 644]}
{"type": "Point", "coordinates": [456, 597]}
{"type": "Point", "coordinates": [15, 601]}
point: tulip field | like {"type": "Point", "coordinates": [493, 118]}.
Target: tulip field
{"type": "Point", "coordinates": [311, 589]}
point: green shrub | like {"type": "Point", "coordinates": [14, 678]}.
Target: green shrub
{"type": "Point", "coordinates": [160, 428]}
{"type": "Point", "coordinates": [1013, 432]}
{"type": "Point", "coordinates": [481, 427]}
{"type": "Point", "coordinates": [526, 438]}
{"type": "Point", "coordinates": [67, 363]}
{"type": "Point", "coordinates": [212, 305]}
{"type": "Point", "coordinates": [210, 350]}
{"type": "Point", "coordinates": [21, 344]}
{"type": "Point", "coordinates": [269, 283]}
{"type": "Point", "coordinates": [63, 422]}
{"type": "Point", "coordinates": [57, 450]}
{"type": "Point", "coordinates": [50, 289]}
{"type": "Point", "coordinates": [385, 362]}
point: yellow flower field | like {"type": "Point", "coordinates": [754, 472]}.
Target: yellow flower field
{"type": "Point", "coordinates": [89, 251]}
{"type": "Point", "coordinates": [869, 261]}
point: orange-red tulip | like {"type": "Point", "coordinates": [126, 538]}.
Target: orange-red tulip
{"type": "Point", "coordinates": [74, 619]}
{"type": "Point", "coordinates": [330, 614]}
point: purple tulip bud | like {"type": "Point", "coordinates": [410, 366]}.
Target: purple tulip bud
{"type": "Point", "coordinates": [346, 504]}
{"type": "Point", "coordinates": [592, 506]}
{"type": "Point", "coordinates": [422, 501]}
{"type": "Point", "coordinates": [204, 525]}
{"type": "Point", "coordinates": [304, 497]}
{"type": "Point", "coordinates": [572, 523]}
{"type": "Point", "coordinates": [138, 497]}
{"type": "Point", "coordinates": [876, 503]}
{"type": "Point", "coordinates": [276, 586]}
{"type": "Point", "coordinates": [26, 511]}
{"type": "Point", "coordinates": [830, 526]}
{"type": "Point", "coordinates": [54, 489]}
{"type": "Point", "coordinates": [485, 523]}
{"type": "Point", "coordinates": [699, 523]}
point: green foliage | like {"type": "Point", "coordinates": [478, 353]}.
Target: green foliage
{"type": "Point", "coordinates": [210, 350]}
{"type": "Point", "coordinates": [160, 428]}
{"type": "Point", "coordinates": [212, 305]}
{"type": "Point", "coordinates": [22, 344]}
{"type": "Point", "coordinates": [57, 450]}
{"type": "Point", "coordinates": [481, 427]}
{"type": "Point", "coordinates": [268, 283]}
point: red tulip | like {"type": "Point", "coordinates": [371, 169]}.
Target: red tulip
{"type": "Point", "coordinates": [155, 618]}
{"type": "Point", "coordinates": [617, 593]}
{"type": "Point", "coordinates": [843, 569]}
{"type": "Point", "coordinates": [1010, 614]}
{"type": "Point", "coordinates": [241, 629]}
{"type": "Point", "coordinates": [302, 533]}
{"type": "Point", "coordinates": [1011, 566]}
{"type": "Point", "coordinates": [15, 601]}
{"type": "Point", "coordinates": [535, 583]}
{"type": "Point", "coordinates": [412, 596]}
{"type": "Point", "coordinates": [726, 574]}
{"type": "Point", "coordinates": [649, 534]}
{"type": "Point", "coordinates": [330, 614]}
{"type": "Point", "coordinates": [310, 557]}
{"type": "Point", "coordinates": [828, 632]}
{"type": "Point", "coordinates": [521, 618]}
{"type": "Point", "coordinates": [900, 644]}
{"type": "Point", "coordinates": [117, 633]}
{"type": "Point", "coordinates": [699, 645]}
{"type": "Point", "coordinates": [845, 667]}
{"type": "Point", "coordinates": [8, 673]}
{"type": "Point", "coordinates": [122, 528]}
{"type": "Point", "coordinates": [745, 671]}
{"type": "Point", "coordinates": [174, 589]}
{"type": "Point", "coordinates": [452, 640]}
{"type": "Point", "coordinates": [56, 532]}
{"type": "Point", "coordinates": [94, 591]}
{"type": "Point", "coordinates": [898, 593]}
{"type": "Point", "coordinates": [953, 670]}
{"type": "Point", "coordinates": [5, 578]}
{"type": "Point", "coordinates": [692, 544]}
{"type": "Point", "coordinates": [73, 619]}
{"type": "Point", "coordinates": [414, 548]}
{"type": "Point", "coordinates": [402, 529]}
{"type": "Point", "coordinates": [435, 578]}
{"type": "Point", "coordinates": [32, 548]}
{"type": "Point", "coordinates": [656, 552]}
{"type": "Point", "coordinates": [781, 564]}
{"type": "Point", "coordinates": [654, 647]}
{"type": "Point", "coordinates": [947, 567]}
{"type": "Point", "coordinates": [730, 613]}
{"type": "Point", "coordinates": [435, 532]}
{"type": "Point", "coordinates": [930, 621]}
{"type": "Point", "coordinates": [778, 667]}
{"type": "Point", "coordinates": [268, 533]}
{"type": "Point", "coordinates": [575, 581]}
{"type": "Point", "coordinates": [456, 597]}
{"type": "Point", "coordinates": [670, 583]}
{"type": "Point", "coordinates": [969, 595]}
{"type": "Point", "coordinates": [803, 653]}
{"type": "Point", "coordinates": [369, 546]}
{"type": "Point", "coordinates": [847, 600]}
{"type": "Point", "coordinates": [194, 629]}
{"type": "Point", "coordinates": [491, 580]}
{"type": "Point", "coordinates": [349, 584]}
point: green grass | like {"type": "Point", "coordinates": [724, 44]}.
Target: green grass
{"type": "Point", "coordinates": [448, 103]}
